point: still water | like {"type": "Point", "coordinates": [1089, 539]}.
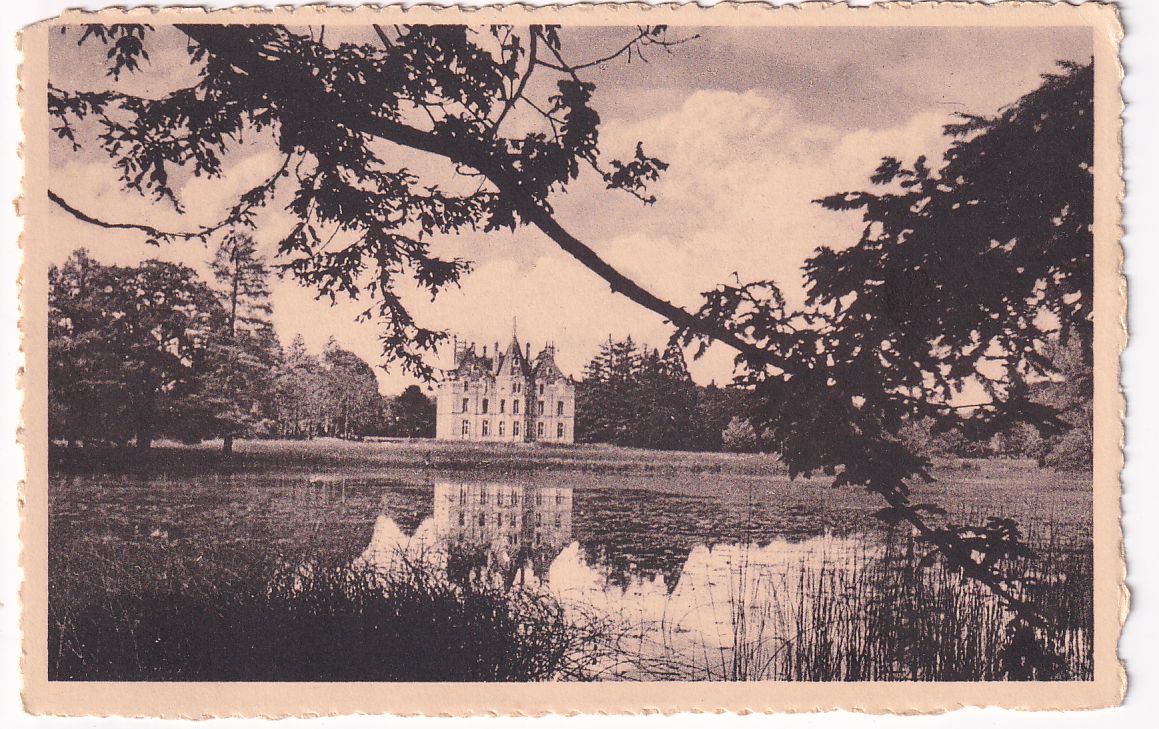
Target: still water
{"type": "Point", "coordinates": [682, 591]}
{"type": "Point", "coordinates": [693, 574]}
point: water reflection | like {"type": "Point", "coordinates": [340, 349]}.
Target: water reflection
{"type": "Point", "coordinates": [702, 596]}
{"type": "Point", "coordinates": [514, 530]}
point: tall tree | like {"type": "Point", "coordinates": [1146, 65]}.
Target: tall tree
{"type": "Point", "coordinates": [411, 414]}
{"type": "Point", "coordinates": [130, 343]}
{"type": "Point", "coordinates": [353, 405]}
{"type": "Point", "coordinates": [245, 353]}
{"type": "Point", "coordinates": [297, 393]}
{"type": "Point", "coordinates": [84, 397]}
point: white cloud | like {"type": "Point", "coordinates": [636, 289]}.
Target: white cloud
{"type": "Point", "coordinates": [745, 168]}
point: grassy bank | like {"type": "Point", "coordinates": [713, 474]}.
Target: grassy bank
{"type": "Point", "coordinates": [330, 453]}
{"type": "Point", "coordinates": [321, 454]}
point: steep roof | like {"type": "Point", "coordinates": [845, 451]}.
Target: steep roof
{"type": "Point", "coordinates": [512, 360]}
{"type": "Point", "coordinates": [545, 367]}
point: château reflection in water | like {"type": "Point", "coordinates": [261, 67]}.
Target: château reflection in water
{"type": "Point", "coordinates": [516, 530]}
{"type": "Point", "coordinates": [524, 535]}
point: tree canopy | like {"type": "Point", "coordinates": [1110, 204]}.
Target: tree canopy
{"type": "Point", "coordinates": [335, 111]}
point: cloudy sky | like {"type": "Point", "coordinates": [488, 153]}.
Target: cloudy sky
{"type": "Point", "coordinates": [755, 124]}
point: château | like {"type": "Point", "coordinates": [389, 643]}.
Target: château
{"type": "Point", "coordinates": [506, 397]}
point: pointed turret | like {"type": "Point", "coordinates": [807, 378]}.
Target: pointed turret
{"type": "Point", "coordinates": [513, 360]}
{"type": "Point", "coordinates": [545, 367]}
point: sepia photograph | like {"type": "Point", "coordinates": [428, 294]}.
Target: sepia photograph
{"type": "Point", "coordinates": [525, 352]}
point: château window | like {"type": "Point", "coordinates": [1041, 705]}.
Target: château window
{"type": "Point", "coordinates": [482, 519]}
{"type": "Point", "coordinates": [502, 406]}
{"type": "Point", "coordinates": [466, 402]}
{"type": "Point", "coordinates": [501, 426]}
{"type": "Point", "coordinates": [559, 430]}
{"type": "Point", "coordinates": [482, 498]}
{"type": "Point", "coordinates": [541, 407]}
{"type": "Point", "coordinates": [539, 430]}
{"type": "Point", "coordinates": [559, 408]}
{"type": "Point", "coordinates": [486, 425]}
{"type": "Point", "coordinates": [541, 388]}
{"type": "Point", "coordinates": [466, 427]}
{"type": "Point", "coordinates": [485, 408]}
{"type": "Point", "coordinates": [515, 428]}
{"type": "Point", "coordinates": [462, 519]}
{"type": "Point", "coordinates": [514, 407]}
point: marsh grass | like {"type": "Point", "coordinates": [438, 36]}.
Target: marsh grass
{"type": "Point", "coordinates": [882, 614]}
{"type": "Point", "coordinates": [312, 623]}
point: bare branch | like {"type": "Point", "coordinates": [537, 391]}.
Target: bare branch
{"type": "Point", "coordinates": [518, 94]}
{"type": "Point", "coordinates": [239, 213]}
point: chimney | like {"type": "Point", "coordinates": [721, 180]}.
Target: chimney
{"type": "Point", "coordinates": [484, 350]}
{"type": "Point", "coordinates": [496, 349]}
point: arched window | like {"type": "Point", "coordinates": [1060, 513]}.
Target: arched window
{"type": "Point", "coordinates": [485, 403]}
{"type": "Point", "coordinates": [502, 406]}
{"type": "Point", "coordinates": [559, 408]}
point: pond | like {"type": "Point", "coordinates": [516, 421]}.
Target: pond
{"type": "Point", "coordinates": [692, 576]}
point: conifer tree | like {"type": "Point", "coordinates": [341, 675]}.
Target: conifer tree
{"type": "Point", "coordinates": [246, 350]}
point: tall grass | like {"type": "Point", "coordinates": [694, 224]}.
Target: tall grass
{"type": "Point", "coordinates": [312, 623]}
{"type": "Point", "coordinates": [883, 614]}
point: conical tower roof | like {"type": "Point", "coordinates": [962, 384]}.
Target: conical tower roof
{"type": "Point", "coordinates": [513, 361]}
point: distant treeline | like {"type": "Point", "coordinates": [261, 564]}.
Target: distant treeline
{"type": "Point", "coordinates": [635, 396]}
{"type": "Point", "coordinates": [150, 351]}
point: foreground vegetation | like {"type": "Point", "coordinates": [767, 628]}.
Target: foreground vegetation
{"type": "Point", "coordinates": [315, 624]}
{"type": "Point", "coordinates": [885, 616]}
{"type": "Point", "coordinates": [189, 571]}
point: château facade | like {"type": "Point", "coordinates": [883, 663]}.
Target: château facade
{"type": "Point", "coordinates": [506, 397]}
